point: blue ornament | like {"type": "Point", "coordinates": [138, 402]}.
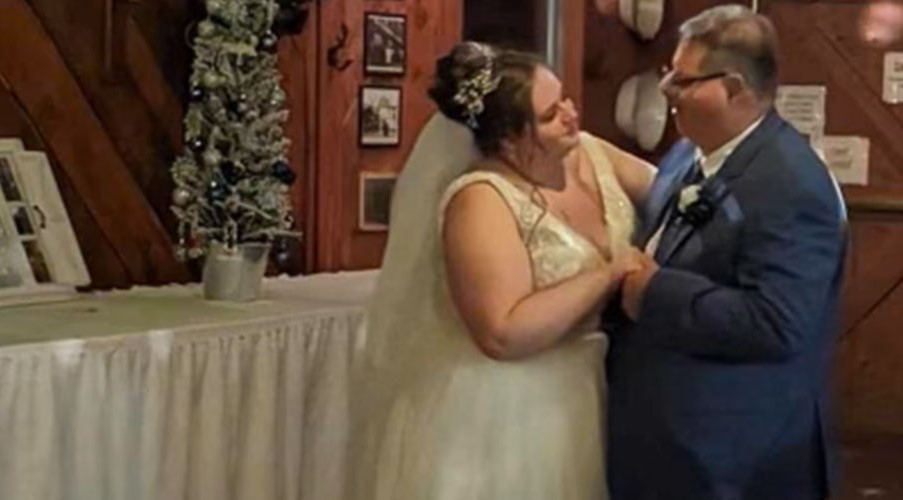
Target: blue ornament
{"type": "Point", "coordinates": [282, 171]}
{"type": "Point", "coordinates": [216, 192]}
{"type": "Point", "coordinates": [230, 171]}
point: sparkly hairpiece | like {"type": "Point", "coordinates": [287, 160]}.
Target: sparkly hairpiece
{"type": "Point", "coordinates": [472, 90]}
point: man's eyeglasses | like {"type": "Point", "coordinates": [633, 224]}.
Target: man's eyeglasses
{"type": "Point", "coordinates": [672, 83]}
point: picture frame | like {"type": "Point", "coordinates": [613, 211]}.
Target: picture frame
{"type": "Point", "coordinates": [375, 200]}
{"type": "Point", "coordinates": [40, 259]}
{"type": "Point", "coordinates": [385, 43]}
{"type": "Point", "coordinates": [11, 144]}
{"type": "Point", "coordinates": [15, 225]}
{"type": "Point", "coordinates": [380, 113]}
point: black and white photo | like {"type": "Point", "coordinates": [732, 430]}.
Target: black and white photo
{"type": "Point", "coordinates": [384, 43]}
{"type": "Point", "coordinates": [380, 116]}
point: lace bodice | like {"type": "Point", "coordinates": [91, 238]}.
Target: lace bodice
{"type": "Point", "coordinates": [556, 251]}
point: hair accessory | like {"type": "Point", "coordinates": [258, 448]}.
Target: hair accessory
{"type": "Point", "coordinates": [472, 90]}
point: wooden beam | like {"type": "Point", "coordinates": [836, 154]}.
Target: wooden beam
{"type": "Point", "coordinates": [151, 84]}
{"type": "Point", "coordinates": [40, 79]}
{"type": "Point", "coordinates": [109, 42]}
{"type": "Point", "coordinates": [874, 202]}
{"type": "Point", "coordinates": [338, 157]}
{"type": "Point", "coordinates": [139, 139]}
{"type": "Point", "coordinates": [116, 14]}
{"type": "Point", "coordinates": [573, 25]}
{"type": "Point", "coordinates": [298, 66]}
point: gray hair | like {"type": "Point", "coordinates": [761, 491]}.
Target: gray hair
{"type": "Point", "coordinates": [738, 40]}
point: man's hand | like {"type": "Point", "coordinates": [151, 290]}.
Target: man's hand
{"type": "Point", "coordinates": [623, 264]}
{"type": "Point", "coordinates": [635, 284]}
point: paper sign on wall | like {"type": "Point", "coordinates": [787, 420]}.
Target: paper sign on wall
{"type": "Point", "coordinates": [847, 157]}
{"type": "Point", "coordinates": [893, 77]}
{"type": "Point", "coordinates": [804, 107]}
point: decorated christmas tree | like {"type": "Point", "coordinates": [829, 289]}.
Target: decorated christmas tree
{"type": "Point", "coordinates": [231, 182]}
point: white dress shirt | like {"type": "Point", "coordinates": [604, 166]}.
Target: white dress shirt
{"type": "Point", "coordinates": [710, 165]}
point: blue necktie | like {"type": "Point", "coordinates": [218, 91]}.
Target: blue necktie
{"type": "Point", "coordinates": [672, 223]}
{"type": "Point", "coordinates": [693, 176]}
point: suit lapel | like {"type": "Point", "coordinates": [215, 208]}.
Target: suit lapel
{"type": "Point", "coordinates": [672, 169]}
{"type": "Point", "coordinates": [734, 166]}
{"type": "Point", "coordinates": [672, 240]}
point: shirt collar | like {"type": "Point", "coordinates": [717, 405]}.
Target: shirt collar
{"type": "Point", "coordinates": [713, 162]}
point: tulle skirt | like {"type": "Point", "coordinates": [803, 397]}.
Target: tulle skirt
{"type": "Point", "coordinates": [457, 425]}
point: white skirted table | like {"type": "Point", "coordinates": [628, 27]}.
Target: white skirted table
{"type": "Point", "coordinates": [156, 394]}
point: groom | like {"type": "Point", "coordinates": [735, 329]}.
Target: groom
{"type": "Point", "coordinates": [718, 384]}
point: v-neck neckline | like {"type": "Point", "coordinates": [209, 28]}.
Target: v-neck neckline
{"type": "Point", "coordinates": [604, 253]}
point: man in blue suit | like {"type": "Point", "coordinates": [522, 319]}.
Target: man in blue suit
{"type": "Point", "coordinates": [718, 377]}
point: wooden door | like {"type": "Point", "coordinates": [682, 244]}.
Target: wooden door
{"type": "Point", "coordinates": [95, 84]}
{"type": "Point", "coordinates": [828, 49]}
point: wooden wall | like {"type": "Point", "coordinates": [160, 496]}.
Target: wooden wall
{"type": "Point", "coordinates": [825, 49]}
{"type": "Point", "coordinates": [83, 81]}
{"type": "Point", "coordinates": [298, 63]}
{"type": "Point", "coordinates": [100, 86]}
{"type": "Point", "coordinates": [517, 24]}
{"type": "Point", "coordinates": [433, 26]}
{"type": "Point", "coordinates": [829, 50]}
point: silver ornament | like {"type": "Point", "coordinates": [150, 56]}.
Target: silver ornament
{"type": "Point", "coordinates": [283, 258]}
{"type": "Point", "coordinates": [195, 252]}
{"type": "Point", "coordinates": [212, 157]}
{"type": "Point", "coordinates": [211, 79]}
{"type": "Point", "coordinates": [181, 197]}
{"type": "Point", "coordinates": [214, 6]}
{"type": "Point", "coordinates": [181, 254]}
{"type": "Point", "coordinates": [278, 97]}
{"type": "Point", "coordinates": [206, 29]}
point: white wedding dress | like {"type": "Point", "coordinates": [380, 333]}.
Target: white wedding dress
{"type": "Point", "coordinates": [436, 419]}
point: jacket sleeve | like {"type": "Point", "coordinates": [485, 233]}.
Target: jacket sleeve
{"type": "Point", "coordinates": [787, 267]}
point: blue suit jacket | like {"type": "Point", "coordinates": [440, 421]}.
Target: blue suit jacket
{"type": "Point", "coordinates": [719, 389]}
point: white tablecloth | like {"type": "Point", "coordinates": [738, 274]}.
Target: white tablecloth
{"type": "Point", "coordinates": [156, 394]}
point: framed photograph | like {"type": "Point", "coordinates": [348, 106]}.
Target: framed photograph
{"type": "Point", "coordinates": [384, 43]}
{"type": "Point", "coordinates": [40, 259]}
{"type": "Point", "coordinates": [380, 116]}
{"type": "Point", "coordinates": [375, 201]}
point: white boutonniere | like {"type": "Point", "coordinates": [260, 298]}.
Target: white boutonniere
{"type": "Point", "coordinates": [688, 196]}
{"type": "Point", "coordinates": [698, 203]}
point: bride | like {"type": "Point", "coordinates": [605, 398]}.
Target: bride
{"type": "Point", "coordinates": [510, 230]}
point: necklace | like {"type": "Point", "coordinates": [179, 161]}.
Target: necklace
{"type": "Point", "coordinates": [562, 211]}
